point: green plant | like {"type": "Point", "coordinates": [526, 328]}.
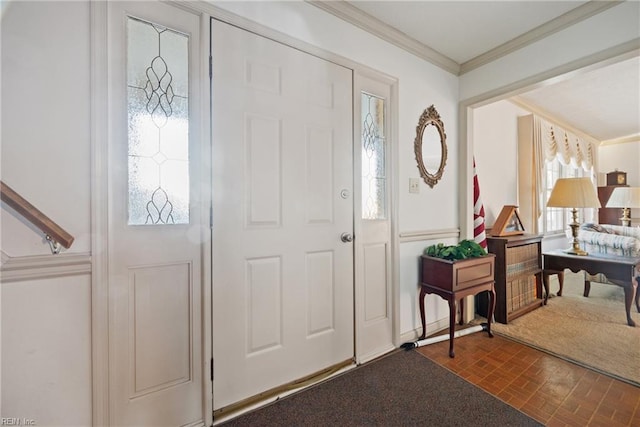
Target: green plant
{"type": "Point", "coordinates": [464, 249]}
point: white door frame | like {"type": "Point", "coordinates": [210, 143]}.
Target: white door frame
{"type": "Point", "coordinates": [99, 193]}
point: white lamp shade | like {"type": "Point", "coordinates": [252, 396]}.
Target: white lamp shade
{"type": "Point", "coordinates": [573, 193]}
{"type": "Point", "coordinates": [624, 197]}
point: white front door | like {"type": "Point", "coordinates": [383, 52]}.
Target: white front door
{"type": "Point", "coordinates": [282, 196]}
{"type": "Point", "coordinates": [157, 216]}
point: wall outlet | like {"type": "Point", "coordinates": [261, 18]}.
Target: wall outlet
{"type": "Point", "coordinates": [414, 185]}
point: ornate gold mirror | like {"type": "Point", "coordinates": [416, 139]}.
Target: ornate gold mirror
{"type": "Point", "coordinates": [430, 146]}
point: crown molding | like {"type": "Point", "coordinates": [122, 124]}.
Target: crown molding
{"type": "Point", "coordinates": [560, 23]}
{"type": "Point", "coordinates": [622, 140]}
{"type": "Point", "coordinates": [563, 72]}
{"type": "Point", "coordinates": [363, 20]}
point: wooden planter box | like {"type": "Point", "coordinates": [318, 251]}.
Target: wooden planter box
{"type": "Point", "coordinates": [459, 274]}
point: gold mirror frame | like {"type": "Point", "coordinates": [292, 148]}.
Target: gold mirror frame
{"type": "Point", "coordinates": [430, 116]}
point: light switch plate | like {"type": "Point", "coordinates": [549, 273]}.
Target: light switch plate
{"type": "Point", "coordinates": [414, 185]}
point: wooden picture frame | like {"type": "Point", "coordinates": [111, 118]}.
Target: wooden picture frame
{"type": "Point", "coordinates": [508, 222]}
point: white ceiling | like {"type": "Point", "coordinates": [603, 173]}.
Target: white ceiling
{"type": "Point", "coordinates": [603, 103]}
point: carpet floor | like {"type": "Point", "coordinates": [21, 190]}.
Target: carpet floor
{"type": "Point", "coordinates": [591, 332]}
{"type": "Point", "coordinates": [403, 388]}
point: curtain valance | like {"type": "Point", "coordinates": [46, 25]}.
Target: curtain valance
{"type": "Point", "coordinates": [558, 143]}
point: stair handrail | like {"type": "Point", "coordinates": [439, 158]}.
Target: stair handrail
{"type": "Point", "coordinates": [54, 234]}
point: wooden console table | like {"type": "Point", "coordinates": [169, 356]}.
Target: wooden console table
{"type": "Point", "coordinates": [622, 271]}
{"type": "Point", "coordinates": [453, 281]}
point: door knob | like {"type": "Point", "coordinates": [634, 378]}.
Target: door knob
{"type": "Point", "coordinates": [346, 237]}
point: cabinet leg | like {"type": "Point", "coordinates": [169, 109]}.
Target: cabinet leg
{"type": "Point", "coordinates": [422, 317]}
{"type": "Point", "coordinates": [452, 325]}
{"type": "Point", "coordinates": [461, 320]}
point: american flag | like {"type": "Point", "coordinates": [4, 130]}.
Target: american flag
{"type": "Point", "coordinates": [479, 235]}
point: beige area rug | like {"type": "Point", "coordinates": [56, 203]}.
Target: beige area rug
{"type": "Point", "coordinates": [591, 332]}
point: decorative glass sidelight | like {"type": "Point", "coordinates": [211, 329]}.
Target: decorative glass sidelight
{"type": "Point", "coordinates": [374, 178]}
{"type": "Point", "coordinates": [158, 124]}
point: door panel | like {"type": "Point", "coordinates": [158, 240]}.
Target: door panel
{"type": "Point", "coordinates": [282, 189]}
{"type": "Point", "coordinates": [374, 315]}
{"type": "Point", "coordinates": [155, 216]}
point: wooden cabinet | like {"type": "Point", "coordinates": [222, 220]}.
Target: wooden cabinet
{"type": "Point", "coordinates": [518, 276]}
{"type": "Point", "coordinates": [608, 215]}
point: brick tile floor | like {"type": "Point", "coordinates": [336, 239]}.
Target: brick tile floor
{"type": "Point", "coordinates": [551, 390]}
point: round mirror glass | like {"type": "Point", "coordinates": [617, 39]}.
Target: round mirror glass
{"type": "Point", "coordinates": [431, 149]}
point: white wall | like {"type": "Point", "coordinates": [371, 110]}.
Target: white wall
{"type": "Point", "coordinates": [46, 144]}
{"type": "Point", "coordinates": [45, 156]}
{"type": "Point", "coordinates": [623, 157]}
{"type": "Point", "coordinates": [46, 343]}
{"type": "Point", "coordinates": [495, 133]}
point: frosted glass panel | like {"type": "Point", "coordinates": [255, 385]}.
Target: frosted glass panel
{"type": "Point", "coordinates": [374, 180]}
{"type": "Point", "coordinates": [158, 117]}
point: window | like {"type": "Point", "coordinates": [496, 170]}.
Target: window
{"type": "Point", "coordinates": [158, 131]}
{"type": "Point", "coordinates": [547, 152]}
{"type": "Point", "coordinates": [556, 220]}
{"type": "Point", "coordinates": [374, 180]}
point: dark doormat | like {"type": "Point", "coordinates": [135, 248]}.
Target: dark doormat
{"type": "Point", "coordinates": [401, 389]}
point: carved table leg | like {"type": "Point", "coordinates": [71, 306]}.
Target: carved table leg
{"type": "Point", "coordinates": [492, 307]}
{"type": "Point", "coordinates": [561, 282]}
{"type": "Point", "coordinates": [461, 320]}
{"type": "Point", "coordinates": [545, 282]}
{"type": "Point", "coordinates": [587, 288]}
{"type": "Point", "coordinates": [638, 294]}
{"type": "Point", "coordinates": [422, 318]}
{"type": "Point", "coordinates": [630, 291]}
{"type": "Point", "coordinates": [452, 325]}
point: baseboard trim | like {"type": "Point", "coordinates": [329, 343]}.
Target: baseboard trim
{"type": "Point", "coordinates": [414, 334]}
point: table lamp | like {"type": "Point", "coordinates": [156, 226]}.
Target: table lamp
{"type": "Point", "coordinates": [625, 198]}
{"type": "Point", "coordinates": [574, 193]}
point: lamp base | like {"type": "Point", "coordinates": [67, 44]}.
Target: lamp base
{"type": "Point", "coordinates": [626, 217]}
{"type": "Point", "coordinates": [575, 245]}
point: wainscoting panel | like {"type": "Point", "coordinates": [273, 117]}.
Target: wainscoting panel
{"type": "Point", "coordinates": [160, 327]}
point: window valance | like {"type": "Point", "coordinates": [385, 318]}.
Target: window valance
{"type": "Point", "coordinates": [558, 143]}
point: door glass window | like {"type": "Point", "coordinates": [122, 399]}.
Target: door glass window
{"type": "Point", "coordinates": [374, 179]}
{"type": "Point", "coordinates": [158, 124]}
